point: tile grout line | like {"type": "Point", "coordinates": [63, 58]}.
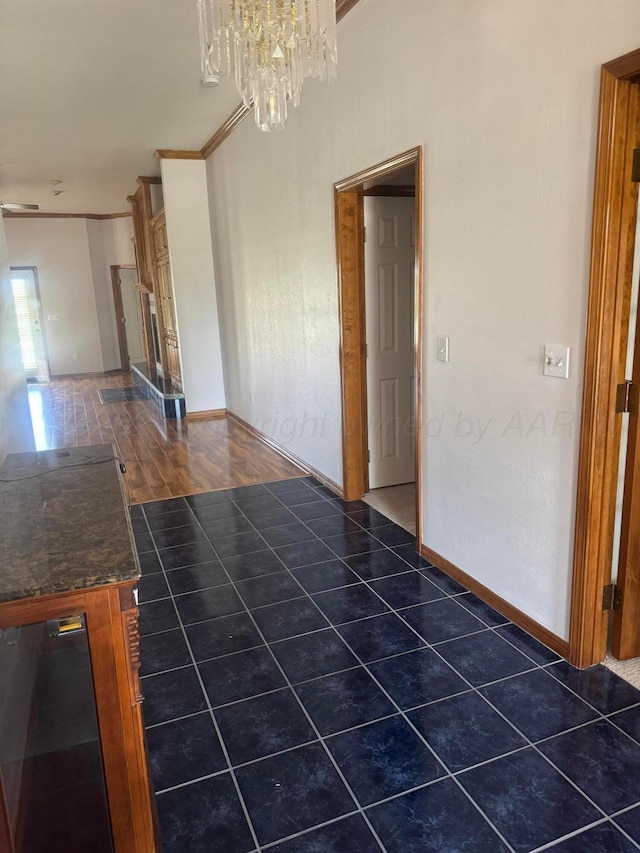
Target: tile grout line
{"type": "Point", "coordinates": [407, 721]}
{"type": "Point", "coordinates": [312, 724]}
{"type": "Point", "coordinates": [527, 740]}
{"type": "Point", "coordinates": [367, 670]}
{"type": "Point", "coordinates": [294, 694]}
{"type": "Point", "coordinates": [230, 768]}
{"type": "Point", "coordinates": [551, 845]}
{"type": "Point", "coordinates": [393, 610]}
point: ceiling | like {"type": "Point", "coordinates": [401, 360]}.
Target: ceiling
{"type": "Point", "coordinates": [89, 89]}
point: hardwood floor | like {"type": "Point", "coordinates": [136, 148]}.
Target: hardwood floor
{"type": "Point", "coordinates": [164, 458]}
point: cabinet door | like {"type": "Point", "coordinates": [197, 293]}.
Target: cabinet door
{"type": "Point", "coordinates": [165, 292]}
{"type": "Point", "coordinates": [160, 245]}
{"type": "Point", "coordinates": [165, 301]}
{"type": "Point", "coordinates": [51, 771]}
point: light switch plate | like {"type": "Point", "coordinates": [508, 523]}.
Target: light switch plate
{"type": "Point", "coordinates": [556, 361]}
{"type": "Point", "coordinates": [443, 349]}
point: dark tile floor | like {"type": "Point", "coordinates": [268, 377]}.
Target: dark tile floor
{"type": "Point", "coordinates": [313, 686]}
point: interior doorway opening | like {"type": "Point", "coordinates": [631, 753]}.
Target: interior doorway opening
{"type": "Point", "coordinates": [31, 334]}
{"type": "Point", "coordinates": [595, 600]}
{"type": "Point", "coordinates": [380, 284]}
{"type": "Point", "coordinates": [128, 312]}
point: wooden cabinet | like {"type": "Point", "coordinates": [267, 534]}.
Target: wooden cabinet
{"type": "Point", "coordinates": [73, 768]}
{"type": "Point", "coordinates": [141, 208]}
{"type": "Point", "coordinates": [165, 302]}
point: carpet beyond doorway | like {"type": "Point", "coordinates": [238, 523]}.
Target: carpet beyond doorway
{"type": "Point", "coordinates": [396, 502]}
{"type": "Point", "coordinates": [627, 669]}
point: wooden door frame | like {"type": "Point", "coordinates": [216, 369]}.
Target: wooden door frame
{"type": "Point", "coordinates": [348, 197]}
{"type": "Point", "coordinates": [612, 250]}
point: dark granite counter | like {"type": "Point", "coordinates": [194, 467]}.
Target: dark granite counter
{"type": "Point", "coordinates": [64, 524]}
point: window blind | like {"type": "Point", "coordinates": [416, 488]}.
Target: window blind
{"type": "Point", "coordinates": [25, 330]}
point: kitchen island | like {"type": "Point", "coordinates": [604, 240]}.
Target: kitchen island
{"type": "Point", "coordinates": [73, 768]}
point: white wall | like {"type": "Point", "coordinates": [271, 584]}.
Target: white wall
{"type": "Point", "coordinates": [189, 237]}
{"type": "Point", "coordinates": [16, 433]}
{"type": "Point", "coordinates": [73, 258]}
{"type": "Point", "coordinates": [503, 97]}
{"type": "Point", "coordinates": [109, 245]}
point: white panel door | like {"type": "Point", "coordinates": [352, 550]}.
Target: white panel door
{"type": "Point", "coordinates": [389, 290]}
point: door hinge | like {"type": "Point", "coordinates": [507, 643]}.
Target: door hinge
{"type": "Point", "coordinates": [364, 232]}
{"type": "Point", "coordinates": [369, 455]}
{"type": "Point", "coordinates": [611, 597]}
{"type": "Point", "coordinates": [627, 397]}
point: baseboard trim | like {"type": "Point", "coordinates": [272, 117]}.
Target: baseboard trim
{"type": "Point", "coordinates": [553, 641]}
{"type": "Point", "coordinates": [283, 451]}
{"type": "Point", "coordinates": [207, 414]}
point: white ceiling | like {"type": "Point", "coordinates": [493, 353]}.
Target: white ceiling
{"type": "Point", "coordinates": [89, 89]}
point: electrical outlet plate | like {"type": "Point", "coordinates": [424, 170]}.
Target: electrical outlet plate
{"type": "Point", "coordinates": [556, 361]}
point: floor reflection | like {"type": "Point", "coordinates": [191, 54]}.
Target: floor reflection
{"type": "Point", "coordinates": [36, 405]}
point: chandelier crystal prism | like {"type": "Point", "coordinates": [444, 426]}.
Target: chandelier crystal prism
{"type": "Point", "coordinates": [271, 45]}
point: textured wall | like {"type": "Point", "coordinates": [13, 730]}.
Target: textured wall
{"type": "Point", "coordinates": [186, 206]}
{"type": "Point", "coordinates": [73, 258]}
{"type": "Point", "coordinates": [503, 97]}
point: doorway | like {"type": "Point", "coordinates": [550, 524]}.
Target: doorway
{"type": "Point", "coordinates": [381, 331]}
{"type": "Point", "coordinates": [128, 309]}
{"type": "Point", "coordinates": [608, 398]}
{"type": "Point", "coordinates": [33, 346]}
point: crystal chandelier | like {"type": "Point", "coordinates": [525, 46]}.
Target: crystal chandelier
{"type": "Point", "coordinates": [272, 46]}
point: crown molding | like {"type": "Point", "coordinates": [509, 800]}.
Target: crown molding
{"type": "Point", "coordinates": [14, 214]}
{"type": "Point", "coordinates": [229, 125]}
{"type": "Point", "coordinates": [225, 129]}
{"type": "Point", "coordinates": [177, 154]}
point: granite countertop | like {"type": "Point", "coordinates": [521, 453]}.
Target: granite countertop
{"type": "Point", "coordinates": [64, 524]}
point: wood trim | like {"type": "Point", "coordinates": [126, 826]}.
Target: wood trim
{"type": "Point", "coordinates": [157, 216]}
{"type": "Point", "coordinates": [418, 335]}
{"type": "Point", "coordinates": [350, 260]}
{"type": "Point", "coordinates": [283, 451]}
{"type": "Point", "coordinates": [544, 635]}
{"type": "Point", "coordinates": [344, 6]}
{"type": "Point", "coordinates": [14, 214]}
{"type": "Point", "coordinates": [241, 112]}
{"type": "Point", "coordinates": [391, 190]}
{"type": "Point", "coordinates": [614, 214]}
{"type": "Point", "coordinates": [624, 67]}
{"type": "Point", "coordinates": [177, 154]}
{"type": "Point", "coordinates": [353, 368]}
{"type": "Point", "coordinates": [394, 164]}
{"type": "Point", "coordinates": [148, 179]}
{"type": "Point", "coordinates": [207, 414]}
{"type": "Point", "coordinates": [625, 642]}
{"type": "Point", "coordinates": [225, 130]}
{"type": "Point", "coordinates": [121, 733]}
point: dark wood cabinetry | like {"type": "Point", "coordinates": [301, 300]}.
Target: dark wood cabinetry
{"type": "Point", "coordinates": [165, 302]}
{"type": "Point", "coordinates": [73, 768]}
